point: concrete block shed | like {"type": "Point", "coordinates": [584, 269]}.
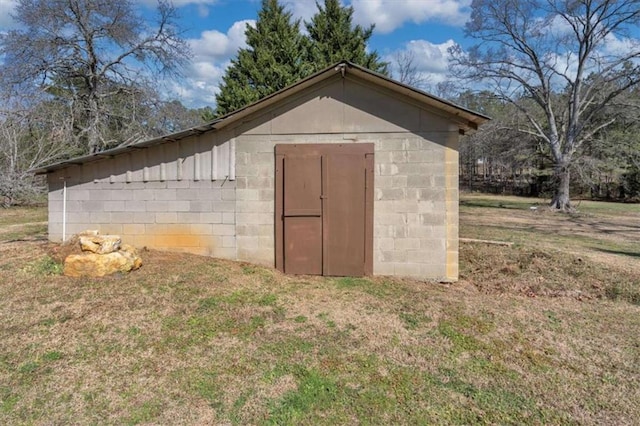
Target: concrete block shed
{"type": "Point", "coordinates": [346, 172]}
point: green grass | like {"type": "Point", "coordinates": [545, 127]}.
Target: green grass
{"type": "Point", "coordinates": [537, 333]}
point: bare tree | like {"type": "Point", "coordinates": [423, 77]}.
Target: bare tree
{"type": "Point", "coordinates": [89, 52]}
{"type": "Point", "coordinates": [557, 56]}
{"type": "Point", "coordinates": [30, 135]}
{"type": "Point", "coordinates": [407, 69]}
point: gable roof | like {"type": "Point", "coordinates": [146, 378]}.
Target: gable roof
{"type": "Point", "coordinates": [466, 119]}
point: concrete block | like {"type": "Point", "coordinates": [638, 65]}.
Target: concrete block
{"type": "Point", "coordinates": [405, 206]}
{"type": "Point", "coordinates": [267, 195]}
{"type": "Point", "coordinates": [398, 157]}
{"type": "Point", "coordinates": [200, 206]}
{"type": "Point", "coordinates": [135, 206]}
{"type": "Point", "coordinates": [381, 182]}
{"type": "Point", "coordinates": [143, 194]}
{"type": "Point", "coordinates": [248, 194]}
{"type": "Point", "coordinates": [96, 194]}
{"type": "Point", "coordinates": [176, 242]}
{"type": "Point", "coordinates": [224, 253]}
{"type": "Point", "coordinates": [222, 229]}
{"type": "Point", "coordinates": [228, 194]}
{"type": "Point", "coordinates": [384, 243]}
{"type": "Point", "coordinates": [121, 194]}
{"type": "Point", "coordinates": [166, 217]}
{"type": "Point", "coordinates": [177, 184]}
{"type": "Point", "coordinates": [399, 181]}
{"type": "Point", "coordinates": [54, 206]}
{"type": "Point", "coordinates": [171, 206]}
{"type": "Point", "coordinates": [188, 218]}
{"type": "Point", "coordinates": [228, 242]}
{"type": "Point", "coordinates": [92, 206]}
{"type": "Point", "coordinates": [417, 169]}
{"type": "Point", "coordinates": [386, 169]}
{"type": "Point", "coordinates": [154, 185]}
{"type": "Point", "coordinates": [165, 229]}
{"type": "Point", "coordinates": [254, 218]}
{"type": "Point", "coordinates": [189, 194]}
{"type": "Point", "coordinates": [254, 230]}
{"type": "Point", "coordinates": [254, 206]}
{"type": "Point", "coordinates": [383, 268]}
{"type": "Point", "coordinates": [120, 217]}
{"type": "Point", "coordinates": [388, 145]}
{"type": "Point", "coordinates": [241, 182]}
{"type": "Point", "coordinates": [164, 194]}
{"type": "Point", "coordinates": [100, 217]}
{"type": "Point", "coordinates": [111, 228]}
{"type": "Point", "coordinates": [407, 243]}
{"type": "Point", "coordinates": [211, 217]}
{"type": "Point", "coordinates": [408, 269]}
{"type": "Point", "coordinates": [390, 194]}
{"type": "Point", "coordinates": [201, 184]}
{"type": "Point", "coordinates": [434, 271]}
{"type": "Point", "coordinates": [419, 256]}
{"type": "Point", "coordinates": [144, 217]}
{"type": "Point", "coordinates": [397, 219]}
{"type": "Point", "coordinates": [242, 158]}
{"type": "Point", "coordinates": [393, 256]}
{"type": "Point", "coordinates": [254, 182]}
{"type": "Point", "coordinates": [224, 206]}
{"type": "Point", "coordinates": [435, 245]}
{"type": "Point", "coordinates": [429, 194]}
{"type": "Point", "coordinates": [76, 194]}
{"type": "Point", "coordinates": [201, 229]}
{"type": "Point", "coordinates": [133, 229]}
{"type": "Point", "coordinates": [229, 217]}
{"type": "Point", "coordinates": [258, 170]}
{"type": "Point", "coordinates": [157, 206]}
{"type": "Point", "coordinates": [436, 218]}
{"type": "Point", "coordinates": [114, 206]}
{"type": "Point", "coordinates": [259, 256]}
{"type": "Point", "coordinates": [255, 146]}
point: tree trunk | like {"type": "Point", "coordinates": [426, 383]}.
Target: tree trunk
{"type": "Point", "coordinates": [93, 135]}
{"type": "Point", "coordinates": [562, 178]}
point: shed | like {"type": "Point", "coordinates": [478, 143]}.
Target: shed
{"type": "Point", "coordinates": [346, 172]}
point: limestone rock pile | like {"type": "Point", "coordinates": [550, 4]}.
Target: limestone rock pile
{"type": "Point", "coordinates": [101, 255]}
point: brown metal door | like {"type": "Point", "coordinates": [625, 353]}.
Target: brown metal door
{"type": "Point", "coordinates": [302, 214]}
{"type": "Point", "coordinates": [324, 209]}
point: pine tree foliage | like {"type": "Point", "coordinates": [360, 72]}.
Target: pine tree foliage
{"type": "Point", "coordinates": [273, 60]}
{"type": "Point", "coordinates": [334, 38]}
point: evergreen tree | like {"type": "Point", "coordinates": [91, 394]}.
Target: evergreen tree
{"type": "Point", "coordinates": [273, 60]}
{"type": "Point", "coordinates": [334, 38]}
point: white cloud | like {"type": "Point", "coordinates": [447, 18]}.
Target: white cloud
{"type": "Point", "coordinates": [214, 45]}
{"type": "Point", "coordinates": [388, 15]}
{"type": "Point", "coordinates": [212, 52]}
{"type": "Point", "coordinates": [429, 60]}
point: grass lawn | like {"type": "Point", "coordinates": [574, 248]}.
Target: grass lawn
{"type": "Point", "coordinates": [546, 331]}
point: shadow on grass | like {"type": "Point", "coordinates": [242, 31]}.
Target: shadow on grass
{"type": "Point", "coordinates": [620, 252]}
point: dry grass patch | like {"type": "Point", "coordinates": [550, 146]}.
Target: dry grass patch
{"type": "Point", "coordinates": [194, 340]}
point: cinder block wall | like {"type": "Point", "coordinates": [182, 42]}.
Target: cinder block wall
{"type": "Point", "coordinates": [151, 201]}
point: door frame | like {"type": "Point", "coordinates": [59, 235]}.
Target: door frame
{"type": "Point", "coordinates": [365, 149]}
